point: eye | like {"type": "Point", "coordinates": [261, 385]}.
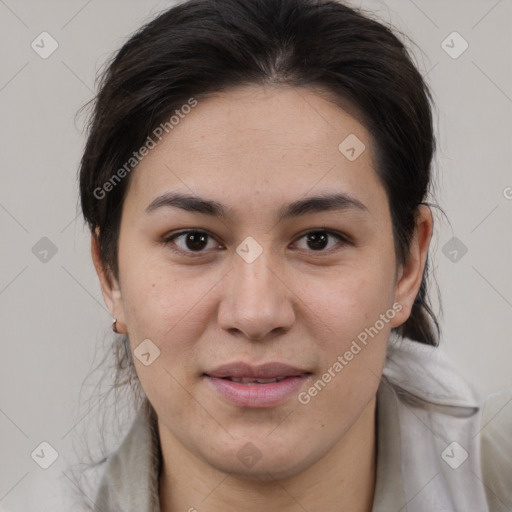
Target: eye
{"type": "Point", "coordinates": [192, 241]}
{"type": "Point", "coordinates": [195, 242]}
{"type": "Point", "coordinates": [318, 240]}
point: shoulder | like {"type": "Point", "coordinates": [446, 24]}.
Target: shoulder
{"type": "Point", "coordinates": [437, 421]}
{"type": "Point", "coordinates": [125, 479]}
{"type": "Point", "coordinates": [62, 488]}
{"type": "Point", "coordinates": [496, 450]}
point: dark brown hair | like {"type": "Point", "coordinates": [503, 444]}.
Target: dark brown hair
{"type": "Point", "coordinates": [203, 46]}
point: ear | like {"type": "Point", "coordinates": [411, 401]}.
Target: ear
{"type": "Point", "coordinates": [410, 273]}
{"type": "Point", "coordinates": [109, 285]}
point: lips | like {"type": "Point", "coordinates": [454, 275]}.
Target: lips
{"type": "Point", "coordinates": [263, 374]}
{"type": "Point", "coordinates": [268, 385]}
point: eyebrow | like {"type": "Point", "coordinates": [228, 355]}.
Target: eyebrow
{"type": "Point", "coordinates": [320, 203]}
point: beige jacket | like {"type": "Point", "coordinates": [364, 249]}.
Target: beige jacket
{"type": "Point", "coordinates": [437, 450]}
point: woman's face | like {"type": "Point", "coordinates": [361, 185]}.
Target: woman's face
{"type": "Point", "coordinates": [315, 288]}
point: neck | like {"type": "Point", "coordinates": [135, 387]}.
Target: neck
{"type": "Point", "coordinates": [343, 479]}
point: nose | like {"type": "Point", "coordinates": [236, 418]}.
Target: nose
{"type": "Point", "coordinates": [257, 302]}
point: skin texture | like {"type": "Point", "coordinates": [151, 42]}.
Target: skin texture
{"type": "Point", "coordinates": [254, 149]}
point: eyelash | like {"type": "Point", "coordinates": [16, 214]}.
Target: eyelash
{"type": "Point", "coordinates": [168, 241]}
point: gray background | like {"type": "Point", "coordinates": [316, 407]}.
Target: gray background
{"type": "Point", "coordinates": [53, 321]}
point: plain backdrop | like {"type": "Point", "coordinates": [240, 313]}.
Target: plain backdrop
{"type": "Point", "coordinates": [54, 324]}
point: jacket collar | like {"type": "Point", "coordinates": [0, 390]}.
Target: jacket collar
{"type": "Point", "coordinates": [131, 475]}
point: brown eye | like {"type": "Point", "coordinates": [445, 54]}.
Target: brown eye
{"type": "Point", "coordinates": [195, 242]}
{"type": "Point", "coordinates": [319, 240]}
{"type": "Point", "coordinates": [191, 241]}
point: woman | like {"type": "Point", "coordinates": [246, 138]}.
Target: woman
{"type": "Point", "coordinates": [255, 181]}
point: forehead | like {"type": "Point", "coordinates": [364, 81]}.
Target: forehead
{"type": "Point", "coordinates": [258, 145]}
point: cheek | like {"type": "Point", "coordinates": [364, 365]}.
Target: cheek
{"type": "Point", "coordinates": [349, 300]}
{"type": "Point", "coordinates": [354, 322]}
{"type": "Point", "coordinates": [173, 310]}
{"type": "Point", "coordinates": [162, 307]}
{"type": "Point", "coordinates": [155, 300]}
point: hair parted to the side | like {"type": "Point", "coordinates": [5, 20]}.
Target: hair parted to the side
{"type": "Point", "coordinates": [201, 47]}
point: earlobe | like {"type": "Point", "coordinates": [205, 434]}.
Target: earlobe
{"type": "Point", "coordinates": [410, 275]}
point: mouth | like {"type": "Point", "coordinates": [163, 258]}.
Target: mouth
{"type": "Point", "coordinates": [245, 385]}
{"type": "Point", "coordinates": [255, 373]}
{"type": "Point", "coordinates": [252, 380]}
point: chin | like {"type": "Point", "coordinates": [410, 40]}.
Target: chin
{"type": "Point", "coordinates": [267, 464]}
{"type": "Point", "coordinates": [268, 472]}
